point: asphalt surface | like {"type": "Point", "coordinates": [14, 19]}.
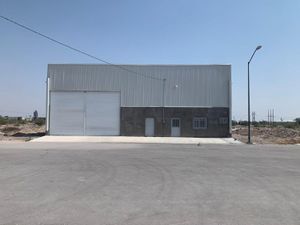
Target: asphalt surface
{"type": "Point", "coordinates": [114, 184]}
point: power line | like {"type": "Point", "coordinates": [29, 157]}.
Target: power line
{"type": "Point", "coordinates": [75, 49]}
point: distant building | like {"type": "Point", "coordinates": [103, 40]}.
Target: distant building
{"type": "Point", "coordinates": [154, 100]}
{"type": "Point", "coordinates": [16, 118]}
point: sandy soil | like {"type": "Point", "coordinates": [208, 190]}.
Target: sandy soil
{"type": "Point", "coordinates": [20, 132]}
{"type": "Point", "coordinates": [260, 135]}
{"type": "Point", "coordinates": [267, 135]}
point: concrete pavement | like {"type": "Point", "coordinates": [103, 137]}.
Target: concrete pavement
{"type": "Point", "coordinates": [117, 184]}
{"type": "Point", "coordinates": [138, 140]}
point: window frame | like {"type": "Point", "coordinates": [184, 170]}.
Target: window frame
{"type": "Point", "coordinates": [177, 120]}
{"type": "Point", "coordinates": [199, 121]}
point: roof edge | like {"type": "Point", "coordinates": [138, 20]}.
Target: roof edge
{"type": "Point", "coordinates": [102, 64]}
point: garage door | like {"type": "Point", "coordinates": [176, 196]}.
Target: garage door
{"type": "Point", "coordinates": [85, 113]}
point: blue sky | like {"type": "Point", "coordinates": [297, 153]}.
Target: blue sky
{"type": "Point", "coordinates": [156, 32]}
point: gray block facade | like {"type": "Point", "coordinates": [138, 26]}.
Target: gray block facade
{"type": "Point", "coordinates": [133, 121]}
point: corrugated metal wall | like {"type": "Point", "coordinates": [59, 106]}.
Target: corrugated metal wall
{"type": "Point", "coordinates": [186, 85]}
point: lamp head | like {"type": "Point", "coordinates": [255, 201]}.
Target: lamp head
{"type": "Point", "coordinates": [258, 47]}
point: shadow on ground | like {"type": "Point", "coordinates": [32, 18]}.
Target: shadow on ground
{"type": "Point", "coordinates": [20, 134]}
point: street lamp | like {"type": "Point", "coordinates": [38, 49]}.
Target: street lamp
{"type": "Point", "coordinates": [249, 135]}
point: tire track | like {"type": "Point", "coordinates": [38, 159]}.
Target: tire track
{"type": "Point", "coordinates": [165, 190]}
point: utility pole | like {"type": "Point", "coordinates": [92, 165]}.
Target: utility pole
{"type": "Point", "coordinates": [271, 116]}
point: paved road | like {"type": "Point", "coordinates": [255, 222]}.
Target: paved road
{"type": "Point", "coordinates": [92, 184]}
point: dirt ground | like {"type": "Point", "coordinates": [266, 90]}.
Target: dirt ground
{"type": "Point", "coordinates": [260, 135]}
{"type": "Point", "coordinates": [21, 132]}
{"type": "Point", "coordinates": [267, 135]}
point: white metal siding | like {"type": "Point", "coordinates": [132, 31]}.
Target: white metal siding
{"type": "Point", "coordinates": [85, 113]}
{"type": "Point", "coordinates": [186, 85]}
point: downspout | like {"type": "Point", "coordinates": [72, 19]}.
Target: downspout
{"type": "Point", "coordinates": [230, 104]}
{"type": "Point", "coordinates": [163, 107]}
{"type": "Point", "coordinates": [47, 105]}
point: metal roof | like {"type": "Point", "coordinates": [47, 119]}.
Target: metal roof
{"type": "Point", "coordinates": [186, 85]}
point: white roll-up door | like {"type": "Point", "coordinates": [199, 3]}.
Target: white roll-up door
{"type": "Point", "coordinates": [67, 113]}
{"type": "Point", "coordinates": [85, 113]}
{"type": "Point", "coordinates": [102, 113]}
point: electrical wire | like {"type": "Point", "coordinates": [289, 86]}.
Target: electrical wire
{"type": "Point", "coordinates": [77, 50]}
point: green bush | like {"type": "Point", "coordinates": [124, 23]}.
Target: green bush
{"type": "Point", "coordinates": [3, 120]}
{"type": "Point", "coordinates": [234, 122]}
{"type": "Point", "coordinates": [243, 122]}
{"type": "Point", "coordinates": [39, 121]}
{"type": "Point", "coordinates": [291, 125]}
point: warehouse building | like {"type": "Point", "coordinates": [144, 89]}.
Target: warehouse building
{"type": "Point", "coordinates": [139, 100]}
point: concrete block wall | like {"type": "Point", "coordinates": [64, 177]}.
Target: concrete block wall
{"type": "Point", "coordinates": [133, 121]}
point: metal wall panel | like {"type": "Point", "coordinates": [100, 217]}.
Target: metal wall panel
{"type": "Point", "coordinates": [186, 85]}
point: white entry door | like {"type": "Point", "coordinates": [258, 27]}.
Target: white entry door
{"type": "Point", "coordinates": [149, 127]}
{"type": "Point", "coordinates": [175, 127]}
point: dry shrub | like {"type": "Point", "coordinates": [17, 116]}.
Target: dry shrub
{"type": "Point", "coordinates": [10, 129]}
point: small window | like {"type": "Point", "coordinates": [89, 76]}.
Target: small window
{"type": "Point", "coordinates": [199, 123]}
{"type": "Point", "coordinates": [223, 120]}
{"type": "Point", "coordinates": [175, 122]}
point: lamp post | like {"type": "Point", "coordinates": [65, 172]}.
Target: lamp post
{"type": "Point", "coordinates": [249, 134]}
